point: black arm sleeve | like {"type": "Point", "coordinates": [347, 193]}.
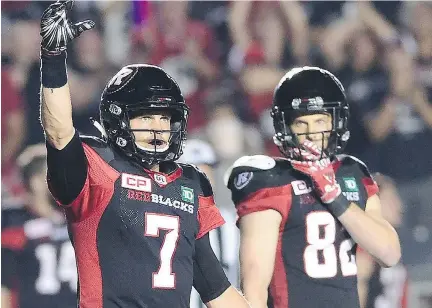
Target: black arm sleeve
{"type": "Point", "coordinates": [209, 278]}
{"type": "Point", "coordinates": [67, 170]}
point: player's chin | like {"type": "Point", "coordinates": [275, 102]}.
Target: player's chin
{"type": "Point", "coordinates": [151, 146]}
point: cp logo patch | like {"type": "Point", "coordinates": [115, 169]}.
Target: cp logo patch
{"type": "Point", "coordinates": [300, 187]}
{"type": "Point", "coordinates": [242, 179]}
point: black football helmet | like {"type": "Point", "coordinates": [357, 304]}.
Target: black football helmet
{"type": "Point", "coordinates": [135, 90]}
{"type": "Point", "coordinates": [309, 90]}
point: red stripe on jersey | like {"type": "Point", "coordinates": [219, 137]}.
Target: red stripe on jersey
{"type": "Point", "coordinates": [169, 177]}
{"type": "Point", "coordinates": [272, 198]}
{"type": "Point", "coordinates": [13, 238]}
{"type": "Point", "coordinates": [279, 283]}
{"type": "Point", "coordinates": [100, 181]}
{"type": "Point", "coordinates": [404, 301]}
{"type": "Point", "coordinates": [84, 215]}
{"type": "Point", "coordinates": [205, 201]}
{"type": "Point", "coordinates": [209, 217]}
{"type": "Point", "coordinates": [87, 255]}
{"type": "Point", "coordinates": [14, 298]}
{"type": "Point", "coordinates": [336, 164]}
{"type": "Point", "coordinates": [370, 186]}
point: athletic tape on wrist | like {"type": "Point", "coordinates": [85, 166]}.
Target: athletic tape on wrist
{"type": "Point", "coordinates": [339, 205]}
{"type": "Point", "coordinates": [53, 70]}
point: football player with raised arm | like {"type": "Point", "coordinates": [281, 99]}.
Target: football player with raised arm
{"type": "Point", "coordinates": [138, 221]}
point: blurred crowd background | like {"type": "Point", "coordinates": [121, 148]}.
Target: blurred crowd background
{"type": "Point", "coordinates": [227, 58]}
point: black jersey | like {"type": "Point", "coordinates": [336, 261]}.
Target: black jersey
{"type": "Point", "coordinates": [134, 231]}
{"type": "Point", "coordinates": [315, 257]}
{"type": "Point", "coordinates": [38, 262]}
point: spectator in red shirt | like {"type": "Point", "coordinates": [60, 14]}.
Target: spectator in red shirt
{"type": "Point", "coordinates": [268, 38]}
{"type": "Point", "coordinates": [184, 49]}
{"type": "Point", "coordinates": [261, 33]}
{"type": "Point", "coordinates": [13, 130]}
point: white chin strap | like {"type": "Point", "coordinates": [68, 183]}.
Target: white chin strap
{"type": "Point", "coordinates": [99, 127]}
{"type": "Point", "coordinates": [152, 149]}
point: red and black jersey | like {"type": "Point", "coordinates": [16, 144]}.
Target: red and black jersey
{"type": "Point", "coordinates": [315, 257]}
{"type": "Point", "coordinates": [38, 262]}
{"type": "Point", "coordinates": [134, 230]}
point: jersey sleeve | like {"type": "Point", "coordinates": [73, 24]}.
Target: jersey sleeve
{"type": "Point", "coordinates": [370, 186]}
{"type": "Point", "coordinates": [96, 187]}
{"type": "Point", "coordinates": [67, 170]}
{"type": "Point", "coordinates": [255, 190]}
{"type": "Point", "coordinates": [209, 217]}
{"type": "Point", "coordinates": [209, 277]}
{"type": "Point", "coordinates": [368, 181]}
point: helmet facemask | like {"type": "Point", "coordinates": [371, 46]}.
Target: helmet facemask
{"type": "Point", "coordinates": [139, 89]}
{"type": "Point", "coordinates": [288, 141]}
{"type": "Point", "coordinates": [124, 139]}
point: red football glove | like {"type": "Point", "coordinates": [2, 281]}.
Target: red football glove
{"type": "Point", "coordinates": [308, 151]}
{"type": "Point", "coordinates": [319, 168]}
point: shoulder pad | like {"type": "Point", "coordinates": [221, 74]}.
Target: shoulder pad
{"type": "Point", "coordinates": [255, 162]}
{"type": "Point", "coordinates": [361, 164]}
{"type": "Point", "coordinates": [194, 168]}
{"type": "Point", "coordinates": [192, 172]}
{"type": "Point", "coordinates": [188, 168]}
{"type": "Point", "coordinates": [187, 165]}
{"type": "Point", "coordinates": [93, 141]}
{"type": "Point", "coordinates": [100, 146]}
{"type": "Point", "coordinates": [262, 162]}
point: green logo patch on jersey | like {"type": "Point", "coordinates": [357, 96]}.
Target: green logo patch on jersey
{"type": "Point", "coordinates": [350, 184]}
{"type": "Point", "coordinates": [187, 194]}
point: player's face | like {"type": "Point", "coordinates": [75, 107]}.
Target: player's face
{"type": "Point", "coordinates": [157, 131]}
{"type": "Point", "coordinates": [314, 127]}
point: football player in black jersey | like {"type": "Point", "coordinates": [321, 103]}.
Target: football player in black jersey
{"type": "Point", "coordinates": [139, 221]}
{"type": "Point", "coordinates": [38, 260]}
{"type": "Point", "coordinates": [301, 216]}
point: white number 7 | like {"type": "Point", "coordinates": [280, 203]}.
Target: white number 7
{"type": "Point", "coordinates": [164, 278]}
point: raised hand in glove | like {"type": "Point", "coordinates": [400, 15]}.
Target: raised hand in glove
{"type": "Point", "coordinates": [320, 170]}
{"type": "Point", "coordinates": [57, 30]}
